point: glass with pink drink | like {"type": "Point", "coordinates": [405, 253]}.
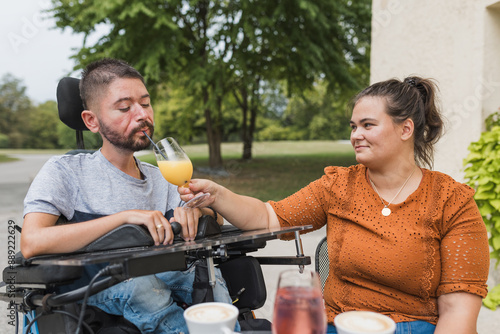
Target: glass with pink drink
{"type": "Point", "coordinates": [299, 306]}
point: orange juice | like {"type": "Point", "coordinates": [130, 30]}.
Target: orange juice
{"type": "Point", "coordinates": [176, 172]}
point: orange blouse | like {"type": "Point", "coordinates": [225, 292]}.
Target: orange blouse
{"type": "Point", "coordinates": [433, 243]}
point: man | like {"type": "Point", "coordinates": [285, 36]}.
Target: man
{"type": "Point", "coordinates": [95, 193]}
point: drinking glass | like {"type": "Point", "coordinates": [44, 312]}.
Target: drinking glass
{"type": "Point", "coordinates": [175, 166]}
{"type": "Point", "coordinates": [299, 306]}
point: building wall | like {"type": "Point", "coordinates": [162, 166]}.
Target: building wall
{"type": "Point", "coordinates": [456, 42]}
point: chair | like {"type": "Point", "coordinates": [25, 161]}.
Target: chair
{"type": "Point", "coordinates": [322, 262]}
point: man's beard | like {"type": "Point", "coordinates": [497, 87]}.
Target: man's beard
{"type": "Point", "coordinates": [127, 143]}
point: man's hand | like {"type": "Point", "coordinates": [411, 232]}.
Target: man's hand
{"type": "Point", "coordinates": [188, 219]}
{"type": "Point", "coordinates": [157, 225]}
{"type": "Point", "coordinates": [41, 235]}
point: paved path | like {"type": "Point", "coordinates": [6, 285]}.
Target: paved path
{"type": "Point", "coordinates": [15, 178]}
{"type": "Point", "coordinates": [14, 182]}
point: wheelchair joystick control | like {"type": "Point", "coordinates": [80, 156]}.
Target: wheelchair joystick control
{"type": "Point", "coordinates": [176, 228]}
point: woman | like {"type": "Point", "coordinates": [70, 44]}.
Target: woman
{"type": "Point", "coordinates": [403, 240]}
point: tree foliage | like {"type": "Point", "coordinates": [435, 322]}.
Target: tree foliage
{"type": "Point", "coordinates": [14, 109]}
{"type": "Point", "coordinates": [315, 115]}
{"type": "Point", "coordinates": [319, 114]}
{"type": "Point", "coordinates": [209, 49]}
{"type": "Point", "coordinates": [25, 125]}
{"type": "Point", "coordinates": [42, 126]}
{"type": "Point", "coordinates": [481, 173]}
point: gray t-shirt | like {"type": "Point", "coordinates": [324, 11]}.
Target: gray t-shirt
{"type": "Point", "coordinates": [85, 186]}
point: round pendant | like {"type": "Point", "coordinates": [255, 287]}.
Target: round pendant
{"type": "Point", "coordinates": [386, 211]}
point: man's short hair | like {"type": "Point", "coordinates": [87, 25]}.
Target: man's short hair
{"type": "Point", "coordinates": [97, 76]}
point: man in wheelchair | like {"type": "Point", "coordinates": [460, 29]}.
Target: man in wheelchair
{"type": "Point", "coordinates": [76, 199]}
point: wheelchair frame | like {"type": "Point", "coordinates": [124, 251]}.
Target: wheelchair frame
{"type": "Point", "coordinates": [31, 297]}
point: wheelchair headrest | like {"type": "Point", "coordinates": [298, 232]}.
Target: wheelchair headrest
{"type": "Point", "coordinates": [69, 103]}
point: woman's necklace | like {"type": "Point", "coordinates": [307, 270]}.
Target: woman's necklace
{"type": "Point", "coordinates": [386, 211]}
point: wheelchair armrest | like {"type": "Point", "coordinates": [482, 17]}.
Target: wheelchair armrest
{"type": "Point", "coordinates": [124, 236]}
{"type": "Point", "coordinates": [35, 274]}
{"type": "Point", "coordinates": [130, 235]}
{"type": "Point", "coordinates": [23, 272]}
{"type": "Point", "coordinates": [207, 226]}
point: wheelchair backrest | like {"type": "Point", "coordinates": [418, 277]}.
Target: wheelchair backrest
{"type": "Point", "coordinates": [70, 107]}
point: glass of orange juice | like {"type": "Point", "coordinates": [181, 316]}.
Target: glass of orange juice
{"type": "Point", "coordinates": [175, 166]}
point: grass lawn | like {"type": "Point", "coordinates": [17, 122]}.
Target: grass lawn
{"type": "Point", "coordinates": [278, 168]}
{"type": "Point", "coordinates": [6, 158]}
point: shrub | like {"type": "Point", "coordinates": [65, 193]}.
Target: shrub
{"type": "Point", "coordinates": [482, 172]}
{"type": "Point", "coordinates": [4, 141]}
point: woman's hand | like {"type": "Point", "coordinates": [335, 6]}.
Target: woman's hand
{"type": "Point", "coordinates": [246, 213]}
{"type": "Point", "coordinates": [199, 187]}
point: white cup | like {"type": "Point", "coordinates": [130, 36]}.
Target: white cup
{"type": "Point", "coordinates": [211, 318]}
{"type": "Point", "coordinates": [364, 322]}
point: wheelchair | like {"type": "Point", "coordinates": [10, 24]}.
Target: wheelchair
{"type": "Point", "coordinates": [129, 251]}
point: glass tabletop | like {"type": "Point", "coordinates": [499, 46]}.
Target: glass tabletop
{"type": "Point", "coordinates": [229, 235]}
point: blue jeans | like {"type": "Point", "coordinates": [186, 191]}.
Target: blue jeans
{"type": "Point", "coordinates": [410, 327]}
{"type": "Point", "coordinates": [149, 302]}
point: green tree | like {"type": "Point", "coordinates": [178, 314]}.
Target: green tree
{"type": "Point", "coordinates": [319, 114]}
{"type": "Point", "coordinates": [14, 109]}
{"type": "Point", "coordinates": [211, 48]}
{"type": "Point", "coordinates": [171, 120]}
{"type": "Point", "coordinates": [67, 138]}
{"type": "Point", "coordinates": [298, 42]}
{"type": "Point", "coordinates": [175, 42]}
{"type": "Point", "coordinates": [42, 126]}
